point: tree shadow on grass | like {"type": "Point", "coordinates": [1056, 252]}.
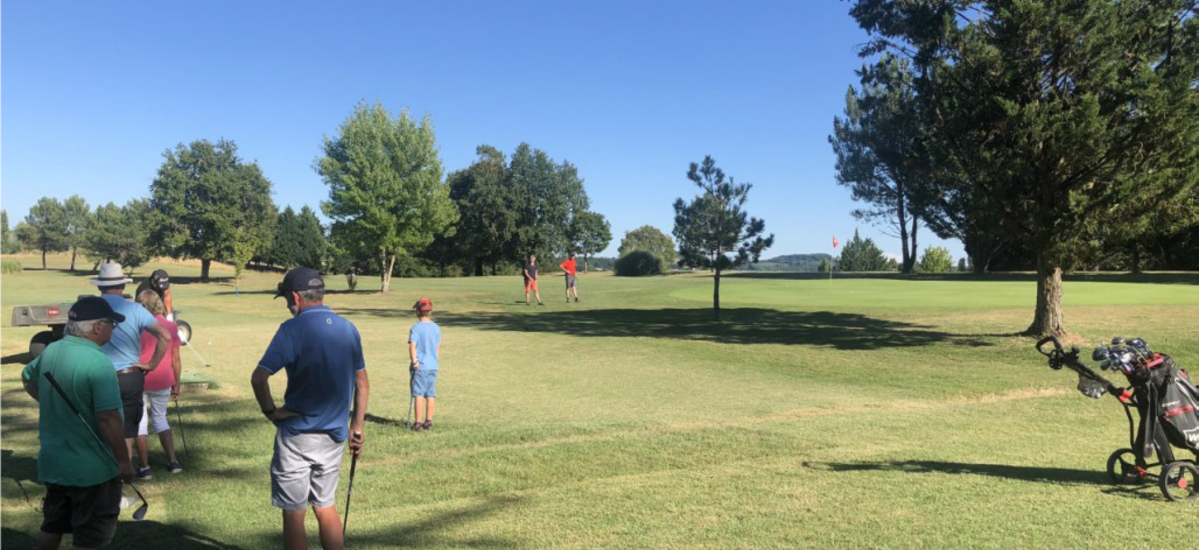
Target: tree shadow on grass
{"type": "Point", "coordinates": [1060, 476]}
{"type": "Point", "coordinates": [152, 535]}
{"type": "Point", "coordinates": [847, 331]}
{"type": "Point", "coordinates": [432, 531]}
{"type": "Point", "coordinates": [15, 539]}
{"type": "Point", "coordinates": [1006, 471]}
{"type": "Point", "coordinates": [1174, 277]}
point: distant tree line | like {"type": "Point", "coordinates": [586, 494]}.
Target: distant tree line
{"type": "Point", "coordinates": [391, 210]}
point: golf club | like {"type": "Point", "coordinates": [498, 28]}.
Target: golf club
{"type": "Point", "coordinates": [138, 514]}
{"type": "Point", "coordinates": [182, 437]}
{"type": "Point", "coordinates": [350, 490]}
{"type": "Point", "coordinates": [193, 348]}
{"type": "Point", "coordinates": [411, 400]}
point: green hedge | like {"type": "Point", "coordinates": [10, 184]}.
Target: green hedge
{"type": "Point", "coordinates": [638, 263]}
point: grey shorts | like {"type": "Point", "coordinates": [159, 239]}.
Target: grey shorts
{"type": "Point", "coordinates": [571, 281]}
{"type": "Point", "coordinates": [304, 470]}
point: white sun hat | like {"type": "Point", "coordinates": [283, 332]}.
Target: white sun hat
{"type": "Point", "coordinates": [111, 274]}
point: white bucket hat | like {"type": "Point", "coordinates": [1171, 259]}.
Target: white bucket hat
{"type": "Point", "coordinates": [111, 274]}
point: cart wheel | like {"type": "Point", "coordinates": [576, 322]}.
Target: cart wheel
{"type": "Point", "coordinates": [38, 343]}
{"type": "Point", "coordinates": [185, 331]}
{"type": "Point", "coordinates": [1122, 468]}
{"type": "Point", "coordinates": [1180, 481]}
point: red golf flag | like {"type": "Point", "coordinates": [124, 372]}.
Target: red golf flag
{"type": "Point", "coordinates": [835, 243]}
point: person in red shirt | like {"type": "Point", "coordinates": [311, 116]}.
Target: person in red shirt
{"type": "Point", "coordinates": [572, 282]}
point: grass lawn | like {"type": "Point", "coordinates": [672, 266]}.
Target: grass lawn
{"type": "Point", "coordinates": [874, 412]}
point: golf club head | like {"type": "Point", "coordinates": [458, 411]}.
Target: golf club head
{"type": "Point", "coordinates": [127, 501]}
{"type": "Point", "coordinates": [1117, 341]}
{"type": "Point", "coordinates": [1100, 354]}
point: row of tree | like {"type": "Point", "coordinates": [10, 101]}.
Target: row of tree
{"type": "Point", "coordinates": [389, 205]}
{"type": "Point", "coordinates": [1061, 133]}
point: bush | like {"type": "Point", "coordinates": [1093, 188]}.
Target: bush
{"type": "Point", "coordinates": [638, 263]}
{"type": "Point", "coordinates": [10, 266]}
{"type": "Point", "coordinates": [936, 259]}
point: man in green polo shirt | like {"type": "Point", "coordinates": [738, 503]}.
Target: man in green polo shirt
{"type": "Point", "coordinates": [82, 479]}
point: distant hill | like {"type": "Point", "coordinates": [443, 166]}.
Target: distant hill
{"type": "Point", "coordinates": [791, 262]}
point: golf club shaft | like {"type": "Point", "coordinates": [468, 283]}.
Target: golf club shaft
{"type": "Point", "coordinates": [349, 493]}
{"type": "Point", "coordinates": [182, 436]}
{"type": "Point", "coordinates": [95, 436]}
{"type": "Point", "coordinates": [201, 357]}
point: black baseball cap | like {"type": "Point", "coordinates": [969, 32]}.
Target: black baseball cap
{"type": "Point", "coordinates": [298, 280]}
{"type": "Point", "coordinates": [91, 308]}
{"type": "Point", "coordinates": [160, 280]}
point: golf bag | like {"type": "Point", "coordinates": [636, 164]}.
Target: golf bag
{"type": "Point", "coordinates": [1177, 408]}
{"type": "Point", "coordinates": [1167, 404]}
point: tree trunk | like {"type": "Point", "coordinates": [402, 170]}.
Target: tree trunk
{"type": "Point", "coordinates": [389, 262]}
{"type": "Point", "coordinates": [716, 294]}
{"type": "Point", "coordinates": [478, 267]}
{"type": "Point", "coordinates": [908, 256]}
{"type": "Point", "coordinates": [74, 250]}
{"type": "Point", "coordinates": [912, 236]}
{"type": "Point", "coordinates": [585, 256]}
{"type": "Point", "coordinates": [1136, 258]}
{"type": "Point", "coordinates": [1048, 319]}
{"type": "Point", "coordinates": [204, 265]}
{"type": "Point", "coordinates": [43, 259]}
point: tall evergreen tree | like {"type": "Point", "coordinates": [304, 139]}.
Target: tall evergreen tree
{"type": "Point", "coordinates": [1054, 112]}
{"type": "Point", "coordinates": [880, 150]}
{"type": "Point", "coordinates": [713, 231]}
{"type": "Point", "coordinates": [861, 255]}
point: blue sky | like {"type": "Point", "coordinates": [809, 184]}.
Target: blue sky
{"type": "Point", "coordinates": [630, 92]}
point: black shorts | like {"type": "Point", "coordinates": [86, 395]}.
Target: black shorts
{"type": "Point", "coordinates": [89, 513]}
{"type": "Point", "coordinates": [132, 385]}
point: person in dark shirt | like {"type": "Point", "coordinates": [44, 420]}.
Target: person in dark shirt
{"type": "Point", "coordinates": [530, 270]}
{"type": "Point", "coordinates": [160, 283]}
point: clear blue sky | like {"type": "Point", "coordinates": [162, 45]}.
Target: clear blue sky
{"type": "Point", "coordinates": [630, 92]}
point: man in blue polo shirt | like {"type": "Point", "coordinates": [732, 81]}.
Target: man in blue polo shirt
{"type": "Point", "coordinates": [322, 354]}
{"type": "Point", "coordinates": [125, 348]}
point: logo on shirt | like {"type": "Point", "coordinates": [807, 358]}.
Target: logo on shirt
{"type": "Point", "coordinates": [328, 320]}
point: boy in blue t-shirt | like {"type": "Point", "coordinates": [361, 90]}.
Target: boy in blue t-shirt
{"type": "Point", "coordinates": [424, 350]}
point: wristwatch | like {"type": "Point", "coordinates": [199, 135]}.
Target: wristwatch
{"type": "Point", "coordinates": [270, 411]}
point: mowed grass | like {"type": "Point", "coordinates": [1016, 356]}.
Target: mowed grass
{"type": "Point", "coordinates": [875, 412]}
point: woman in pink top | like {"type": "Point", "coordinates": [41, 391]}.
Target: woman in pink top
{"type": "Point", "coordinates": [162, 383]}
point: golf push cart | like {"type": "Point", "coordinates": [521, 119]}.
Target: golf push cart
{"type": "Point", "coordinates": [1167, 403]}
{"type": "Point", "coordinates": [55, 317]}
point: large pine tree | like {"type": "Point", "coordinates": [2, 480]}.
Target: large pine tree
{"type": "Point", "coordinates": [1056, 112]}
